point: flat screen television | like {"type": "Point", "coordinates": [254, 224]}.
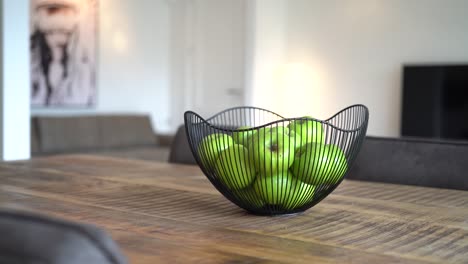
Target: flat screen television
{"type": "Point", "coordinates": [435, 101]}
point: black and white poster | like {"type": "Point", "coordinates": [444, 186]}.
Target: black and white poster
{"type": "Point", "coordinates": [63, 53]}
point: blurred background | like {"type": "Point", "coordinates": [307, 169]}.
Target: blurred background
{"type": "Point", "coordinates": [294, 57]}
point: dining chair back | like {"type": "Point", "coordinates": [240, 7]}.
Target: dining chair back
{"type": "Point", "coordinates": [413, 161]}
{"type": "Point", "coordinates": [28, 238]}
{"type": "Point", "coordinates": [180, 149]}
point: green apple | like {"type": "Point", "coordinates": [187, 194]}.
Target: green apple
{"type": "Point", "coordinates": [316, 163]}
{"type": "Point", "coordinates": [296, 140]}
{"type": "Point", "coordinates": [210, 147]}
{"type": "Point", "coordinates": [234, 168]}
{"type": "Point", "coordinates": [272, 130]}
{"type": "Point", "coordinates": [242, 135]}
{"type": "Point", "coordinates": [301, 194]}
{"type": "Point", "coordinates": [338, 158]}
{"type": "Point", "coordinates": [278, 129]}
{"type": "Point", "coordinates": [275, 189]}
{"type": "Point", "coordinates": [271, 151]}
{"type": "Point", "coordinates": [250, 197]}
{"type": "Point", "coordinates": [308, 130]}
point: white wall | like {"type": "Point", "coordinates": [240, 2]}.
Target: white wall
{"type": "Point", "coordinates": [356, 49]}
{"type": "Point", "coordinates": [265, 48]}
{"type": "Point", "coordinates": [134, 61]}
{"type": "Point", "coordinates": [350, 51]}
{"type": "Point", "coordinates": [181, 52]}
{"type": "Point", "coordinates": [14, 80]}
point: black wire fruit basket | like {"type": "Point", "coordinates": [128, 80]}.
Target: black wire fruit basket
{"type": "Point", "coordinates": [270, 165]}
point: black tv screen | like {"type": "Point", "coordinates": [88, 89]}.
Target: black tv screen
{"type": "Point", "coordinates": [435, 101]}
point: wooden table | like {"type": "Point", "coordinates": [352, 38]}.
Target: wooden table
{"type": "Point", "coordinates": [159, 212]}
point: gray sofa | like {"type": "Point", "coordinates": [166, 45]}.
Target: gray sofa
{"type": "Point", "coordinates": [128, 136]}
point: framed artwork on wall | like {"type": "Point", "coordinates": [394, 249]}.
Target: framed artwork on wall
{"type": "Point", "coordinates": [63, 42]}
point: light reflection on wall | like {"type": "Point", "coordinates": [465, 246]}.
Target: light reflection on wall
{"type": "Point", "coordinates": [120, 42]}
{"type": "Point", "coordinates": [298, 90]}
{"type": "Point", "coordinates": [115, 23]}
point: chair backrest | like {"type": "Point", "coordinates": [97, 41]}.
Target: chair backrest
{"type": "Point", "coordinates": [180, 149]}
{"type": "Point", "coordinates": [423, 162]}
{"type": "Point", "coordinates": [28, 238]}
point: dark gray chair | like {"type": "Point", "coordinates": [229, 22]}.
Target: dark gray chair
{"type": "Point", "coordinates": [180, 150]}
{"type": "Point", "coordinates": [28, 238]}
{"type": "Point", "coordinates": [412, 161]}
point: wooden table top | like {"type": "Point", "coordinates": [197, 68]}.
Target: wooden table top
{"type": "Point", "coordinates": [159, 212]}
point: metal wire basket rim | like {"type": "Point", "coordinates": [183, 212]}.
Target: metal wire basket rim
{"type": "Point", "coordinates": [326, 121]}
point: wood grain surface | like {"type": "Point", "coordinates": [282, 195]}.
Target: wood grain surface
{"type": "Point", "coordinates": [166, 213]}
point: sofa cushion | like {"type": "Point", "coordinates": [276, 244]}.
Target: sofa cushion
{"type": "Point", "coordinates": [65, 134]}
{"type": "Point", "coordinates": [412, 161]}
{"type": "Point", "coordinates": [29, 238]}
{"type": "Point", "coordinates": [125, 130]}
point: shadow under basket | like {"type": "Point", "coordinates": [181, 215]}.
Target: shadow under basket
{"type": "Point", "coordinates": [271, 165]}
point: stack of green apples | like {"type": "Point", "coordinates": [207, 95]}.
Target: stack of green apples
{"type": "Point", "coordinates": [274, 165]}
